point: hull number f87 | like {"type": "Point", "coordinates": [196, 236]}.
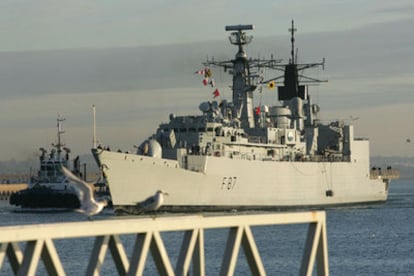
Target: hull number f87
{"type": "Point", "coordinates": [228, 182]}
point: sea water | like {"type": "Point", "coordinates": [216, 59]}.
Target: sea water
{"type": "Point", "coordinates": [362, 240]}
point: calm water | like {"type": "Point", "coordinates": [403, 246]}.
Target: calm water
{"type": "Point", "coordinates": [362, 240]}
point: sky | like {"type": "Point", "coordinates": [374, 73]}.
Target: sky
{"type": "Point", "coordinates": [134, 60]}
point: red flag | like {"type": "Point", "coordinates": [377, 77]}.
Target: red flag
{"type": "Point", "coordinates": [205, 82]}
{"type": "Point", "coordinates": [216, 93]}
{"type": "Point", "coordinates": [200, 72]}
{"type": "Point", "coordinates": [257, 110]}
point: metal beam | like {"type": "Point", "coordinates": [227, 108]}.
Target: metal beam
{"type": "Point", "coordinates": [159, 253]}
{"type": "Point", "coordinates": [191, 249]}
{"type": "Point", "coordinates": [31, 258]}
{"type": "Point", "coordinates": [252, 253]}
{"type": "Point", "coordinates": [39, 243]}
{"type": "Point", "coordinates": [315, 248]}
{"type": "Point", "coordinates": [118, 254]}
{"type": "Point", "coordinates": [140, 253]}
{"type": "Point", "coordinates": [14, 254]}
{"type": "Point", "coordinates": [51, 259]}
{"type": "Point", "coordinates": [232, 249]}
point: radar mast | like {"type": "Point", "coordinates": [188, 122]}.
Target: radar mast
{"type": "Point", "coordinates": [246, 74]}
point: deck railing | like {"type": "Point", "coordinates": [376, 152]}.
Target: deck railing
{"type": "Point", "coordinates": [40, 245]}
{"type": "Point", "coordinates": [387, 174]}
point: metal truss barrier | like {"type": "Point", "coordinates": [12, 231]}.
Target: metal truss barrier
{"type": "Point", "coordinates": [39, 243]}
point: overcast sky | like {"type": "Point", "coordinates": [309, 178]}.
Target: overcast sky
{"type": "Point", "coordinates": [135, 61]}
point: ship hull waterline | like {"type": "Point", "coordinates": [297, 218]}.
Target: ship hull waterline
{"type": "Point", "coordinates": [225, 183]}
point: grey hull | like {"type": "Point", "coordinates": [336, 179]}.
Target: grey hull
{"type": "Point", "coordinates": [226, 183]}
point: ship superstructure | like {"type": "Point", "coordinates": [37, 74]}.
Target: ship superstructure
{"type": "Point", "coordinates": [235, 155]}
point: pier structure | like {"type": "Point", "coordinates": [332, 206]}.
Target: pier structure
{"type": "Point", "coordinates": [39, 243]}
{"type": "Point", "coordinates": [6, 190]}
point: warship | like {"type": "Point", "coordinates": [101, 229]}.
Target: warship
{"type": "Point", "coordinates": [235, 155]}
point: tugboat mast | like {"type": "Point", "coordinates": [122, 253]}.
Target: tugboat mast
{"type": "Point", "coordinates": [59, 144]}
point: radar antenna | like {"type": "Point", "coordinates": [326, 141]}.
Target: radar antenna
{"type": "Point", "coordinates": [238, 37]}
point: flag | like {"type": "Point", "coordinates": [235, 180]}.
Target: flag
{"type": "Point", "coordinates": [205, 81]}
{"type": "Point", "coordinates": [257, 110]}
{"type": "Point", "coordinates": [271, 85]}
{"type": "Point", "coordinates": [212, 83]}
{"type": "Point", "coordinates": [200, 72]}
{"type": "Point", "coordinates": [207, 72]}
{"type": "Point", "coordinates": [216, 93]}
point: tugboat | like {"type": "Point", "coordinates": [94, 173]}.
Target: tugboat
{"type": "Point", "coordinates": [50, 189]}
{"type": "Point", "coordinates": [240, 154]}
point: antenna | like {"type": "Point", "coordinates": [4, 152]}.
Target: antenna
{"type": "Point", "coordinates": [239, 28]}
{"type": "Point", "coordinates": [94, 128]}
{"type": "Point", "coordinates": [238, 37]}
{"type": "Point", "coordinates": [292, 31]}
{"type": "Point", "coordinates": [59, 133]}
